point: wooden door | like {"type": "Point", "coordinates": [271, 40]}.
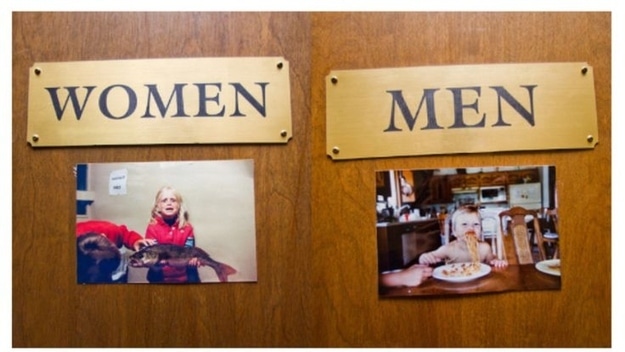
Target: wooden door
{"type": "Point", "coordinates": [316, 238]}
{"type": "Point", "coordinates": [49, 308]}
{"type": "Point", "coordinates": [343, 236]}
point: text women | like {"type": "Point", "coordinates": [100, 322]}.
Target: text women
{"type": "Point", "coordinates": [205, 95]}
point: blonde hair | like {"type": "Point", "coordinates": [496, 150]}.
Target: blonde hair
{"type": "Point", "coordinates": [466, 209]}
{"type": "Point", "coordinates": [183, 215]}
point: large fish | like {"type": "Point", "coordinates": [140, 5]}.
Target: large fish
{"type": "Point", "coordinates": [157, 255]}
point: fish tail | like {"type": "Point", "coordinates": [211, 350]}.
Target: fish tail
{"type": "Point", "coordinates": [223, 271]}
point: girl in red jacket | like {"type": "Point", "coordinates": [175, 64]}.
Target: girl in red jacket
{"type": "Point", "coordinates": [169, 224]}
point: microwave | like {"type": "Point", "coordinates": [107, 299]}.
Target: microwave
{"type": "Point", "coordinates": [493, 194]}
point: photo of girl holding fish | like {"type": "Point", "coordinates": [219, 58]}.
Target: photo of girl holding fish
{"type": "Point", "coordinates": [207, 236]}
{"type": "Point", "coordinates": [169, 224]}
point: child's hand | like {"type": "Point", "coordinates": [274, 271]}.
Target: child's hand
{"type": "Point", "coordinates": [499, 263]}
{"type": "Point", "coordinates": [143, 243]}
{"type": "Point", "coordinates": [429, 258]}
{"type": "Point", "coordinates": [195, 262]}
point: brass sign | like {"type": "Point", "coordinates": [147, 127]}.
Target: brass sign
{"type": "Point", "coordinates": [159, 101]}
{"type": "Point", "coordinates": [460, 109]}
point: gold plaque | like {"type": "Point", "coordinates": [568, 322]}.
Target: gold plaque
{"type": "Point", "coordinates": [159, 101]}
{"type": "Point", "coordinates": [460, 109]}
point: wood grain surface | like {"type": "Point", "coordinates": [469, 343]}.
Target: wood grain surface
{"type": "Point", "coordinates": [344, 245]}
{"type": "Point", "coordinates": [315, 219]}
{"type": "Point", "coordinates": [49, 309]}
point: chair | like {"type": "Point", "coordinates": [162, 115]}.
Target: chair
{"type": "Point", "coordinates": [549, 239]}
{"type": "Point", "coordinates": [491, 230]}
{"type": "Point", "coordinates": [515, 220]}
{"type": "Point", "coordinates": [443, 223]}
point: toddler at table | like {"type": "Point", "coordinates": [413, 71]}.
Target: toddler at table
{"type": "Point", "coordinates": [465, 221]}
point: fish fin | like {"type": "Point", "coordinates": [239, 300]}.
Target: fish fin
{"type": "Point", "coordinates": [223, 271]}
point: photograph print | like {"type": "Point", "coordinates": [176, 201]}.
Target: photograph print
{"type": "Point", "coordinates": [455, 231]}
{"type": "Point", "coordinates": [182, 222]}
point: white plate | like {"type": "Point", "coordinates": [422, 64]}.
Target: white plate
{"type": "Point", "coordinates": [551, 267]}
{"type": "Point", "coordinates": [442, 272]}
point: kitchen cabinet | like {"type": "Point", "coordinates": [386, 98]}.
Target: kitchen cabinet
{"type": "Point", "coordinates": [401, 243]}
{"type": "Point", "coordinates": [523, 176]}
{"type": "Point", "coordinates": [526, 195]}
{"type": "Point", "coordinates": [464, 181]}
{"type": "Point", "coordinates": [496, 178]}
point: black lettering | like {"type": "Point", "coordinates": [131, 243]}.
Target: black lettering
{"type": "Point", "coordinates": [400, 102]}
{"type": "Point", "coordinates": [503, 93]}
{"type": "Point", "coordinates": [459, 107]}
{"type": "Point", "coordinates": [203, 99]}
{"type": "Point", "coordinates": [162, 108]}
{"type": "Point", "coordinates": [71, 96]}
{"type": "Point", "coordinates": [239, 89]}
{"type": "Point", "coordinates": [132, 102]}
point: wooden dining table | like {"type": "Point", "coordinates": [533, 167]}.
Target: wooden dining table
{"type": "Point", "coordinates": [511, 278]}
